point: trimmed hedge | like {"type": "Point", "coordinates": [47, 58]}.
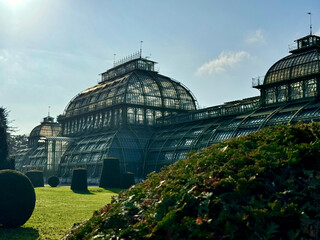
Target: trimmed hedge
{"type": "Point", "coordinates": [36, 177]}
{"type": "Point", "coordinates": [127, 180]}
{"type": "Point", "coordinates": [110, 176]}
{"type": "Point", "coordinates": [265, 185]}
{"type": "Point", "coordinates": [53, 181]}
{"type": "Point", "coordinates": [79, 180]}
{"type": "Point", "coordinates": [17, 198]}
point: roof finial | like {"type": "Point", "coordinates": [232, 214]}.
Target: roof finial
{"type": "Point", "coordinates": [48, 111]}
{"type": "Point", "coordinates": [310, 23]}
{"type": "Point", "coordinates": [141, 48]}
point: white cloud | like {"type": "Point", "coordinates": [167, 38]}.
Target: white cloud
{"type": "Point", "coordinates": [317, 32]}
{"type": "Point", "coordinates": [224, 61]}
{"type": "Point", "coordinates": [255, 37]}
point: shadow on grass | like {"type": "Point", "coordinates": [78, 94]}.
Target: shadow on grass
{"type": "Point", "coordinates": [25, 233]}
{"type": "Point", "coordinates": [83, 192]}
{"type": "Point", "coordinates": [115, 190]}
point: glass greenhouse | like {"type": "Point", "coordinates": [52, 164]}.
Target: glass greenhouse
{"type": "Point", "coordinates": [148, 120]}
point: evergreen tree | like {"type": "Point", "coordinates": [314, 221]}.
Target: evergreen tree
{"type": "Point", "coordinates": [3, 138]}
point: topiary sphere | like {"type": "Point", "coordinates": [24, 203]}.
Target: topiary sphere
{"type": "Point", "coordinates": [17, 198]}
{"type": "Point", "coordinates": [36, 177]}
{"type": "Point", "coordinates": [79, 180]}
{"type": "Point", "coordinates": [53, 181]}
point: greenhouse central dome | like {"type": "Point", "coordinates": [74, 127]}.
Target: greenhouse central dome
{"type": "Point", "coordinates": [133, 92]}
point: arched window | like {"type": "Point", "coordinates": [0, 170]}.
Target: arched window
{"type": "Point", "coordinates": [131, 116]}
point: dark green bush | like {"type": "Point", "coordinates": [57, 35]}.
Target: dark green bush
{"type": "Point", "coordinates": [12, 163]}
{"type": "Point", "coordinates": [36, 177]}
{"type": "Point", "coordinates": [4, 150]}
{"type": "Point", "coordinates": [265, 185]}
{"type": "Point", "coordinates": [17, 198]}
{"type": "Point", "coordinates": [127, 180]}
{"type": "Point", "coordinates": [110, 176]}
{"type": "Point", "coordinates": [53, 181]}
{"type": "Point", "coordinates": [79, 180]}
{"type": "Point", "coordinates": [3, 147]}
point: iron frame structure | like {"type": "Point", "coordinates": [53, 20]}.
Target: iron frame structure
{"type": "Point", "coordinates": [148, 120]}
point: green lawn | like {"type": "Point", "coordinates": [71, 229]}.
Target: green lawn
{"type": "Point", "coordinates": [56, 210]}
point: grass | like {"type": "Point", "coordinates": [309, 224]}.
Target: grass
{"type": "Point", "coordinates": [57, 209]}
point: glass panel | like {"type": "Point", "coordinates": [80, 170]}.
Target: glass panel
{"type": "Point", "coordinates": [140, 116]}
{"type": "Point", "coordinates": [150, 87]}
{"type": "Point", "coordinates": [131, 115]}
{"type": "Point", "coordinates": [180, 155]}
{"type": "Point", "coordinates": [270, 96]}
{"type": "Point", "coordinates": [134, 86]}
{"type": "Point", "coordinates": [46, 131]}
{"type": "Point", "coordinates": [186, 142]}
{"type": "Point", "coordinates": [296, 90]}
{"type": "Point", "coordinates": [310, 88]}
{"type": "Point", "coordinates": [282, 93]}
{"type": "Point", "coordinates": [255, 121]}
{"type": "Point", "coordinates": [153, 101]}
{"type": "Point", "coordinates": [282, 117]}
{"type": "Point", "coordinates": [223, 135]}
{"type": "Point", "coordinates": [135, 98]}
{"type": "Point", "coordinates": [150, 117]}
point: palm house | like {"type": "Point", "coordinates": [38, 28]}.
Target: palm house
{"type": "Point", "coordinates": [147, 120]}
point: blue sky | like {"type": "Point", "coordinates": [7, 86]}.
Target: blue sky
{"type": "Point", "coordinates": [50, 50]}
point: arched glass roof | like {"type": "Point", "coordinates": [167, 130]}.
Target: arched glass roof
{"type": "Point", "coordinates": [173, 142]}
{"type": "Point", "coordinates": [127, 145]}
{"type": "Point", "coordinates": [294, 66]}
{"type": "Point", "coordinates": [47, 128]}
{"type": "Point", "coordinates": [145, 88]}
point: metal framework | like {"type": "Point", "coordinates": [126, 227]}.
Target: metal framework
{"type": "Point", "coordinates": [148, 120]}
{"type": "Point", "coordinates": [295, 77]}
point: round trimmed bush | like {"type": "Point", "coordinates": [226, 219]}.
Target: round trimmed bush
{"type": "Point", "coordinates": [110, 176]}
{"type": "Point", "coordinates": [127, 180]}
{"type": "Point", "coordinates": [36, 177]}
{"type": "Point", "coordinates": [79, 180]}
{"type": "Point", "coordinates": [53, 181]}
{"type": "Point", "coordinates": [17, 198]}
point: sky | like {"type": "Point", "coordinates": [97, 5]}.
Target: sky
{"type": "Point", "coordinates": [51, 50]}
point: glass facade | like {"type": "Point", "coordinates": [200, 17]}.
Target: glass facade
{"type": "Point", "coordinates": [294, 66]}
{"type": "Point", "coordinates": [167, 143]}
{"type": "Point", "coordinates": [294, 77]}
{"type": "Point", "coordinates": [148, 120]}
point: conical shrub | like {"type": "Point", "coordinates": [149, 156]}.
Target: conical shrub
{"type": "Point", "coordinates": [110, 176]}
{"type": "Point", "coordinates": [79, 180]}
{"type": "Point", "coordinates": [36, 177]}
{"type": "Point", "coordinates": [127, 180]}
